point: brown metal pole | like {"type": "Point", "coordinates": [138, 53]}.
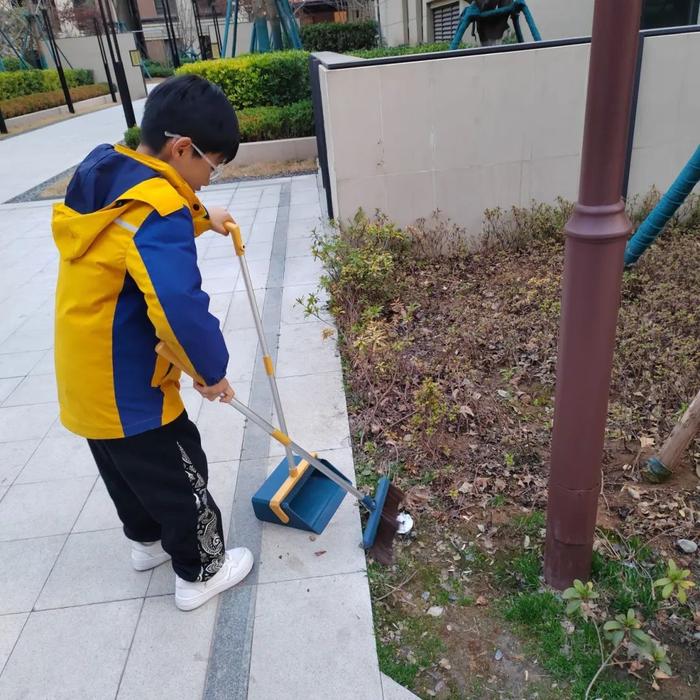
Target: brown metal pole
{"type": "Point", "coordinates": [595, 244]}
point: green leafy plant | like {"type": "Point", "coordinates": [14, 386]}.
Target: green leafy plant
{"type": "Point", "coordinates": [339, 37]}
{"type": "Point", "coordinates": [675, 583]}
{"type": "Point", "coordinates": [578, 596]}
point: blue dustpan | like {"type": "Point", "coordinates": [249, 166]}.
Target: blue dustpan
{"type": "Point", "coordinates": [305, 500]}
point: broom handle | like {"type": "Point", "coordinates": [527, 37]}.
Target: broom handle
{"type": "Point", "coordinates": [285, 440]}
{"type": "Point", "coordinates": [239, 246]}
{"type": "Point", "coordinates": [166, 352]}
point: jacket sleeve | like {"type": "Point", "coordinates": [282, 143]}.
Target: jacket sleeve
{"type": "Point", "coordinates": [162, 260]}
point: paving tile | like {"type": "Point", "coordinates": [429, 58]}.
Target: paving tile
{"type": "Point", "coordinates": [26, 422]}
{"type": "Point", "coordinates": [321, 619]}
{"type": "Point", "coordinates": [59, 458]}
{"type": "Point", "coordinates": [316, 413]}
{"type": "Point", "coordinates": [304, 196]}
{"type": "Point", "coordinates": [393, 691]}
{"type": "Point", "coordinates": [298, 271]}
{"type": "Point", "coordinates": [305, 211]}
{"type": "Point", "coordinates": [14, 456]}
{"type": "Point", "coordinates": [35, 389]}
{"type": "Point", "coordinates": [10, 628]}
{"type": "Point", "coordinates": [94, 567]}
{"type": "Point", "coordinates": [298, 248]}
{"type": "Point", "coordinates": [72, 653]}
{"type": "Point", "coordinates": [303, 228]}
{"type": "Point", "coordinates": [289, 554]}
{"type": "Point", "coordinates": [48, 508]}
{"type": "Point", "coordinates": [239, 314]}
{"type": "Point", "coordinates": [293, 311]}
{"type": "Point", "coordinates": [258, 250]}
{"type": "Point", "coordinates": [45, 365]}
{"type": "Point", "coordinates": [99, 512]}
{"type": "Point", "coordinates": [170, 652]}
{"type": "Point", "coordinates": [261, 232]}
{"type": "Point", "coordinates": [222, 427]}
{"type": "Point", "coordinates": [258, 270]}
{"type": "Point", "coordinates": [244, 354]}
{"type": "Point", "coordinates": [298, 342]}
{"type": "Point", "coordinates": [7, 386]}
{"type": "Point", "coordinates": [26, 565]}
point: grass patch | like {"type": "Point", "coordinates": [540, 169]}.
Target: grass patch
{"type": "Point", "coordinates": [569, 658]}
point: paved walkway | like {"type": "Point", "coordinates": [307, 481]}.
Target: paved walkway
{"type": "Point", "coordinates": [28, 159]}
{"type": "Point", "coordinates": [75, 620]}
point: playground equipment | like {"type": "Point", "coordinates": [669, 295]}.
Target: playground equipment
{"type": "Point", "coordinates": [282, 33]}
{"type": "Point", "coordinates": [491, 20]}
{"type": "Point", "coordinates": [653, 225]}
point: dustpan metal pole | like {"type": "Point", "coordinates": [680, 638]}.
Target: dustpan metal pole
{"type": "Point", "coordinates": [313, 461]}
{"type": "Point", "coordinates": [266, 355]}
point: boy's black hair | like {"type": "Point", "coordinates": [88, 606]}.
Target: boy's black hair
{"type": "Point", "coordinates": [189, 105]}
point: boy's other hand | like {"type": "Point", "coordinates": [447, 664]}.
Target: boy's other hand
{"type": "Point", "coordinates": [221, 390]}
{"type": "Point", "coordinates": [218, 216]}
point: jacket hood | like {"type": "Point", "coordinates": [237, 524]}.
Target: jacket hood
{"type": "Point", "coordinates": [105, 184]}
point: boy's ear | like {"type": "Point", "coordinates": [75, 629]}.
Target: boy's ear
{"type": "Point", "coordinates": [177, 148]}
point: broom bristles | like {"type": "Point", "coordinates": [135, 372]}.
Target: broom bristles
{"type": "Point", "coordinates": [383, 549]}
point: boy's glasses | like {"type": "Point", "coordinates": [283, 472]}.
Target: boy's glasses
{"type": "Point", "coordinates": [216, 170]}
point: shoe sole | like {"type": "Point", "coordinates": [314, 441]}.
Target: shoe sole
{"type": "Point", "coordinates": [186, 606]}
{"type": "Point", "coordinates": [147, 565]}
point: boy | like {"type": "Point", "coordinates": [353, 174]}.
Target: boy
{"type": "Point", "coordinates": [128, 277]}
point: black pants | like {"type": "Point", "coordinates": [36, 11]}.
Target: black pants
{"type": "Point", "coordinates": [158, 482]}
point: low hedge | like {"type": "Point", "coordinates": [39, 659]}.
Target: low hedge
{"type": "Point", "coordinates": [254, 80]}
{"type": "Point", "coordinates": [388, 51]}
{"type": "Point", "coordinates": [28, 82]}
{"type": "Point", "coordinates": [334, 36]}
{"type": "Point", "coordinates": [270, 123]}
{"type": "Point", "coordinates": [26, 104]}
{"type": "Point", "coordinates": [261, 123]}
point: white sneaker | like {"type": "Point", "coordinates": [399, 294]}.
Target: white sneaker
{"type": "Point", "coordinates": [147, 555]}
{"type": "Point", "coordinates": [191, 594]}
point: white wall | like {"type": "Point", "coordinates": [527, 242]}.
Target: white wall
{"type": "Point", "coordinates": [84, 52]}
{"type": "Point", "coordinates": [468, 133]}
{"type": "Point", "coordinates": [667, 131]}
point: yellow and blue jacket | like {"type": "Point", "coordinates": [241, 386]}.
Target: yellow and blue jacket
{"type": "Point", "coordinates": [128, 277]}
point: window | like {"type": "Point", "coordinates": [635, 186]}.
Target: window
{"type": "Point", "coordinates": [445, 21]}
{"type": "Point", "coordinates": [669, 13]}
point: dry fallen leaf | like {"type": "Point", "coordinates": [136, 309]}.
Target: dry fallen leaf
{"type": "Point", "coordinates": [320, 552]}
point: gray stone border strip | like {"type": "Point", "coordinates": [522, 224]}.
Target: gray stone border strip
{"type": "Point", "coordinates": [229, 659]}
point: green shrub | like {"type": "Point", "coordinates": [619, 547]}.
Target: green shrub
{"type": "Point", "coordinates": [11, 63]}
{"type": "Point", "coordinates": [29, 82]}
{"type": "Point", "coordinates": [157, 70]}
{"type": "Point", "coordinates": [270, 123]}
{"type": "Point", "coordinates": [256, 80]}
{"type": "Point", "coordinates": [132, 137]}
{"type": "Point", "coordinates": [261, 123]}
{"type": "Point", "coordinates": [334, 36]}
{"type": "Point", "coordinates": [26, 104]}
{"type": "Point", "coordinates": [388, 51]}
